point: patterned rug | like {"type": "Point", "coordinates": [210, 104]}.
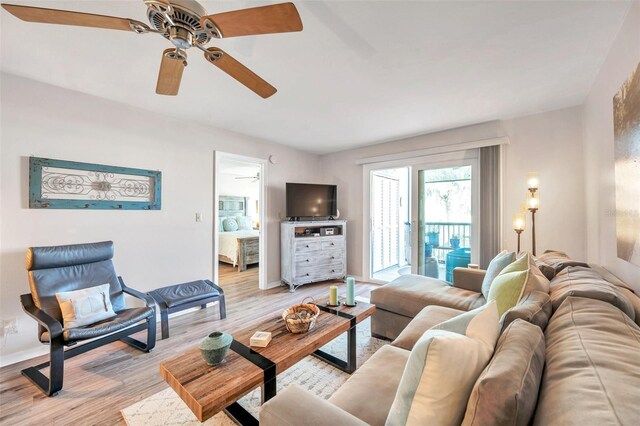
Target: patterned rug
{"type": "Point", "coordinates": [318, 377]}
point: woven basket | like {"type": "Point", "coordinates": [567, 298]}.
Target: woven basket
{"type": "Point", "coordinates": [300, 318]}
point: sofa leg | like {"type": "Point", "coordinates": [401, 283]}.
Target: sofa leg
{"type": "Point", "coordinates": [53, 384]}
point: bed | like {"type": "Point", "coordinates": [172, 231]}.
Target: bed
{"type": "Point", "coordinates": [242, 247]}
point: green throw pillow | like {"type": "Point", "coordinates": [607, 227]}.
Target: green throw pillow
{"type": "Point", "coordinates": [507, 287]}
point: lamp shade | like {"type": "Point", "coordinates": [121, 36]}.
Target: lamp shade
{"type": "Point", "coordinates": [533, 180]}
{"type": "Point", "coordinates": [518, 222]}
{"type": "Point", "coordinates": [533, 203]}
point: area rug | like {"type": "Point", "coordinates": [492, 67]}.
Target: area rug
{"type": "Point", "coordinates": [313, 374]}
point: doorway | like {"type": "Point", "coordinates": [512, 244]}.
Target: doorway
{"type": "Point", "coordinates": [423, 216]}
{"type": "Point", "coordinates": [446, 205]}
{"type": "Point", "coordinates": [238, 237]}
{"type": "Point", "coordinates": [390, 245]}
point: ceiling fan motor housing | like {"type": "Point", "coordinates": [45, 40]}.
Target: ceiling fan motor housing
{"type": "Point", "coordinates": [186, 29]}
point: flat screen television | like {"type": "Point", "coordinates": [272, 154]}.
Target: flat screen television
{"type": "Point", "coordinates": [311, 200]}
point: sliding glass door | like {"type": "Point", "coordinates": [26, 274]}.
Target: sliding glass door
{"type": "Point", "coordinates": [446, 214]}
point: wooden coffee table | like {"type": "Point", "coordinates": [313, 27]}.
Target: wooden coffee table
{"type": "Point", "coordinates": [208, 390]}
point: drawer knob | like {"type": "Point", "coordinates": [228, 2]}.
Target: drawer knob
{"type": "Point", "coordinates": [307, 260]}
{"type": "Point", "coordinates": [307, 274]}
{"type": "Point", "coordinates": [333, 270]}
{"type": "Point", "coordinates": [307, 245]}
{"type": "Point", "coordinates": [332, 257]}
{"type": "Point", "coordinates": [333, 244]}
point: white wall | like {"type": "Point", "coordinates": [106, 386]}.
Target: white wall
{"type": "Point", "coordinates": [549, 143]}
{"type": "Point", "coordinates": [152, 248]}
{"type": "Point", "coordinates": [623, 57]}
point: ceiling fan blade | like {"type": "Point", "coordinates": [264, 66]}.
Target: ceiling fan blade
{"type": "Point", "coordinates": [235, 69]}
{"type": "Point", "coordinates": [277, 18]}
{"type": "Point", "coordinates": [171, 69]}
{"type": "Point", "coordinates": [65, 17]}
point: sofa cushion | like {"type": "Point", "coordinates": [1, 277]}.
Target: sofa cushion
{"type": "Point", "coordinates": [408, 294]}
{"type": "Point", "coordinates": [507, 390]}
{"type": "Point", "coordinates": [585, 282]}
{"type": "Point", "coordinates": [554, 258]}
{"type": "Point", "coordinates": [497, 264]}
{"type": "Point", "coordinates": [427, 318]}
{"type": "Point", "coordinates": [442, 368]}
{"type": "Point", "coordinates": [547, 270]}
{"type": "Point", "coordinates": [369, 392]}
{"type": "Point", "coordinates": [534, 307]}
{"type": "Point", "coordinates": [592, 372]}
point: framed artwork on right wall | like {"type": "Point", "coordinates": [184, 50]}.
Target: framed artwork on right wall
{"type": "Point", "coordinates": [626, 127]}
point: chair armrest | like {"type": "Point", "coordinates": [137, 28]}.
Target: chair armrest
{"type": "Point", "coordinates": [468, 279]}
{"type": "Point", "coordinates": [52, 325]}
{"type": "Point", "coordinates": [296, 406]}
{"type": "Point", "coordinates": [137, 294]}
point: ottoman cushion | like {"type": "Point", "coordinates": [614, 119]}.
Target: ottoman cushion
{"type": "Point", "coordinates": [179, 294]}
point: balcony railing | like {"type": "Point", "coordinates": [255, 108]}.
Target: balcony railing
{"type": "Point", "coordinates": [439, 235]}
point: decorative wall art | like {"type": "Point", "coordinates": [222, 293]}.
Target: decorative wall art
{"type": "Point", "coordinates": [626, 119]}
{"type": "Point", "coordinates": [59, 184]}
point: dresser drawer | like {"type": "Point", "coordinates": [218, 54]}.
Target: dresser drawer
{"type": "Point", "coordinates": [332, 244]}
{"type": "Point", "coordinates": [319, 271]}
{"type": "Point", "coordinates": [307, 246]}
{"type": "Point", "coordinates": [318, 257]}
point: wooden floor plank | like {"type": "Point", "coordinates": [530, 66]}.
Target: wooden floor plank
{"type": "Point", "coordinates": [100, 383]}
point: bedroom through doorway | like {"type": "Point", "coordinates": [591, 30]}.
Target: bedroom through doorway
{"type": "Point", "coordinates": [238, 237]}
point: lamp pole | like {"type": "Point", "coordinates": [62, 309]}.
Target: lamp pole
{"type": "Point", "coordinates": [533, 231]}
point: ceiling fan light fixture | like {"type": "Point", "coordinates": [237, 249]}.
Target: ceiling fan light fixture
{"type": "Point", "coordinates": [181, 37]}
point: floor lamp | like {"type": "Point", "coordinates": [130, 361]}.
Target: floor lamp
{"type": "Point", "coordinates": [533, 204]}
{"type": "Point", "coordinates": [518, 226]}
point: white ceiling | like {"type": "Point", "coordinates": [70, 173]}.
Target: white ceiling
{"type": "Point", "coordinates": [360, 72]}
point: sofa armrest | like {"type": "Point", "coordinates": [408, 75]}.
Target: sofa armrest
{"type": "Point", "coordinates": [296, 406]}
{"type": "Point", "coordinates": [468, 279]}
{"type": "Point", "coordinates": [52, 325]}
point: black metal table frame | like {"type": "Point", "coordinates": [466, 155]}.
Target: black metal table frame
{"type": "Point", "coordinates": [268, 387]}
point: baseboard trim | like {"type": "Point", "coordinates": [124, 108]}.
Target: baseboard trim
{"type": "Point", "coordinates": [17, 357]}
{"type": "Point", "coordinates": [273, 284]}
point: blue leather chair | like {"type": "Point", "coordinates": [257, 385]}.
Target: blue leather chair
{"type": "Point", "coordinates": [73, 267]}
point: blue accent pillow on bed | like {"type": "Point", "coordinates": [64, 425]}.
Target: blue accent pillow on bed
{"type": "Point", "coordinates": [244, 223]}
{"type": "Point", "coordinates": [229, 224]}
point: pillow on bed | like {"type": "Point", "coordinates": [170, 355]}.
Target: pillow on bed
{"type": "Point", "coordinates": [245, 223]}
{"type": "Point", "coordinates": [220, 226]}
{"type": "Point", "coordinates": [229, 224]}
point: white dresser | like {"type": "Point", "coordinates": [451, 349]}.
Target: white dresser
{"type": "Point", "coordinates": [313, 251]}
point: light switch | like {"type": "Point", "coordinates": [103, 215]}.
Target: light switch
{"type": "Point", "coordinates": [198, 217]}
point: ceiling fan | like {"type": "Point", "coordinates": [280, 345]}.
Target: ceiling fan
{"type": "Point", "coordinates": [254, 178]}
{"type": "Point", "coordinates": [186, 24]}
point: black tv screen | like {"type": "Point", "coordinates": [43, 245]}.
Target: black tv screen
{"type": "Point", "coordinates": [310, 200]}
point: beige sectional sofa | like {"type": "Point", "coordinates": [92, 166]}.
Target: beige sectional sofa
{"type": "Point", "coordinates": [582, 332]}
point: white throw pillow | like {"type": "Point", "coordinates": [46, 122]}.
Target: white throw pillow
{"type": "Point", "coordinates": [85, 306]}
{"type": "Point", "coordinates": [245, 223]}
{"type": "Point", "coordinates": [443, 367]}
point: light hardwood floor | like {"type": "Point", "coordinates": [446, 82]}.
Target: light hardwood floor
{"type": "Point", "coordinates": [229, 275]}
{"type": "Point", "coordinates": [100, 383]}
